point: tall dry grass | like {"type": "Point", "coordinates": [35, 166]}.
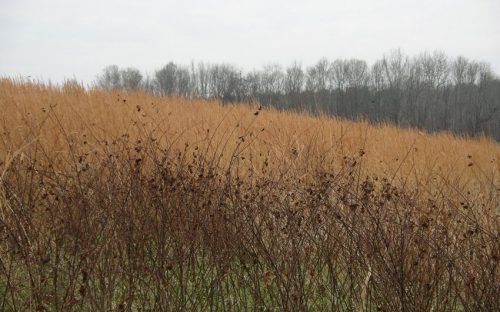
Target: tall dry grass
{"type": "Point", "coordinates": [125, 201]}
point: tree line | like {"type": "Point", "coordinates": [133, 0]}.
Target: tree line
{"type": "Point", "coordinates": [429, 91]}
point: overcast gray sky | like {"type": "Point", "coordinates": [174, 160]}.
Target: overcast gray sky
{"type": "Point", "coordinates": [57, 39]}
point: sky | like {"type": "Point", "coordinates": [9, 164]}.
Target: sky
{"type": "Point", "coordinates": [65, 39]}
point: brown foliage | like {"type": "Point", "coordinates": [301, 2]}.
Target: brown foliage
{"type": "Point", "coordinates": [132, 202]}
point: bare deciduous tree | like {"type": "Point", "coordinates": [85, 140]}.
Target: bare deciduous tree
{"type": "Point", "coordinates": [429, 91]}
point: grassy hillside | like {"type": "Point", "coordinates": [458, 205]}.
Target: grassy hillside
{"type": "Point", "coordinates": [126, 201]}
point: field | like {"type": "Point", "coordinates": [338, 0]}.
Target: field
{"type": "Point", "coordinates": [123, 201]}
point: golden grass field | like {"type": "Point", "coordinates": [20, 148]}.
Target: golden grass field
{"type": "Point", "coordinates": [98, 157]}
{"type": "Point", "coordinates": [293, 143]}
